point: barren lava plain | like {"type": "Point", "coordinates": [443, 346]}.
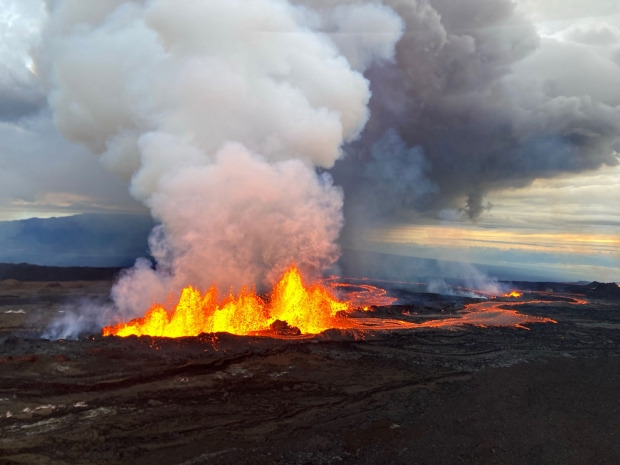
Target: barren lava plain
{"type": "Point", "coordinates": [467, 395]}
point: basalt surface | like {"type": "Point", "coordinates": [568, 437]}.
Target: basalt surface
{"type": "Point", "coordinates": [467, 395]}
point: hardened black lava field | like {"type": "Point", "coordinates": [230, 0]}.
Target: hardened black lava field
{"type": "Point", "coordinates": [544, 393]}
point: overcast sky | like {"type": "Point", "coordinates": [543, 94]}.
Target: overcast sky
{"type": "Point", "coordinates": [558, 58]}
{"type": "Point", "coordinates": [566, 228]}
{"type": "Point", "coordinates": [41, 173]}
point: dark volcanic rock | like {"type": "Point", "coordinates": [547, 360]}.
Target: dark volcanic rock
{"type": "Point", "coordinates": [469, 395]}
{"type": "Point", "coordinates": [603, 290]}
{"type": "Point", "coordinates": [284, 329]}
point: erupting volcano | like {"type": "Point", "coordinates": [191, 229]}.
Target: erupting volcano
{"type": "Point", "coordinates": [294, 308]}
{"type": "Point", "coordinates": [341, 198]}
{"type": "Point", "coordinates": [309, 309]}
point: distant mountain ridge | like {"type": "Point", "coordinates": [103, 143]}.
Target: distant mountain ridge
{"type": "Point", "coordinates": [26, 272]}
{"type": "Point", "coordinates": [89, 240]}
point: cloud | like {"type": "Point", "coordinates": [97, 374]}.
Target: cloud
{"type": "Point", "coordinates": [364, 33]}
{"type": "Point", "coordinates": [563, 228]}
{"type": "Point", "coordinates": [489, 102]}
{"type": "Point", "coordinates": [586, 203]}
{"type": "Point", "coordinates": [485, 99]}
{"type": "Point", "coordinates": [43, 173]}
{"type": "Point", "coordinates": [592, 33]}
{"type": "Point", "coordinates": [557, 10]}
{"type": "Point", "coordinates": [545, 253]}
{"type": "Point", "coordinates": [20, 91]}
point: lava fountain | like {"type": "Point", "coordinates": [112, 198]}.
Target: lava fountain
{"type": "Point", "coordinates": [294, 309]}
{"type": "Point", "coordinates": [513, 294]}
{"type": "Point", "coordinates": [310, 309]}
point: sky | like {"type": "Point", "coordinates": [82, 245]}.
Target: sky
{"type": "Point", "coordinates": [562, 229]}
{"type": "Point", "coordinates": [492, 135]}
{"type": "Point", "coordinates": [41, 173]}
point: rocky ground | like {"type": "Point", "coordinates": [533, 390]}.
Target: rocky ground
{"type": "Point", "coordinates": [472, 395]}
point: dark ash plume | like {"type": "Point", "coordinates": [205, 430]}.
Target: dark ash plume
{"type": "Point", "coordinates": [489, 102]}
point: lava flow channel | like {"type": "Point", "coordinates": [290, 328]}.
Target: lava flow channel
{"type": "Point", "coordinates": [311, 309]}
{"type": "Point", "coordinates": [490, 313]}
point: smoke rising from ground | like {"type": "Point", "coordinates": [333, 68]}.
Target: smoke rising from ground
{"type": "Point", "coordinates": [472, 281]}
{"type": "Point", "coordinates": [218, 114]}
{"type": "Point", "coordinates": [483, 101]}
{"type": "Point", "coordinates": [80, 317]}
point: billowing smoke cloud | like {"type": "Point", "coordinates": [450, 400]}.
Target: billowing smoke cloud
{"type": "Point", "coordinates": [482, 101]}
{"type": "Point", "coordinates": [218, 113]}
{"type": "Point", "coordinates": [393, 176]}
{"type": "Point", "coordinates": [471, 281]}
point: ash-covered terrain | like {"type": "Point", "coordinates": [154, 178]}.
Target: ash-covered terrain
{"type": "Point", "coordinates": [542, 393]}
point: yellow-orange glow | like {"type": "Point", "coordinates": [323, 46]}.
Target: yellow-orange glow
{"type": "Point", "coordinates": [312, 309]}
{"type": "Point", "coordinates": [489, 313]}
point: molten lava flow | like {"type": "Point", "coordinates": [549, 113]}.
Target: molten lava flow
{"type": "Point", "coordinates": [311, 309]}
{"type": "Point", "coordinates": [293, 308]}
{"type": "Point", "coordinates": [485, 314]}
{"type": "Point", "coordinates": [363, 296]}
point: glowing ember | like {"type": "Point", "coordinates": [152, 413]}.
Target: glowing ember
{"type": "Point", "coordinates": [513, 294]}
{"type": "Point", "coordinates": [311, 309]}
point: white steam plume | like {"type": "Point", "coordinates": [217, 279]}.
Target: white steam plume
{"type": "Point", "coordinates": [218, 113]}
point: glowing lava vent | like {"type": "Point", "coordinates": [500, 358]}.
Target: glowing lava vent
{"type": "Point", "coordinates": [513, 294]}
{"type": "Point", "coordinates": [310, 309]}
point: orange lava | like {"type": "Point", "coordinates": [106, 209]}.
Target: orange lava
{"type": "Point", "coordinates": [485, 314]}
{"type": "Point", "coordinates": [312, 309]}
{"type": "Point", "coordinates": [364, 296]}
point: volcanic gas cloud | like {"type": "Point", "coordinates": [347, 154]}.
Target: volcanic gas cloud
{"type": "Point", "coordinates": [219, 114]}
